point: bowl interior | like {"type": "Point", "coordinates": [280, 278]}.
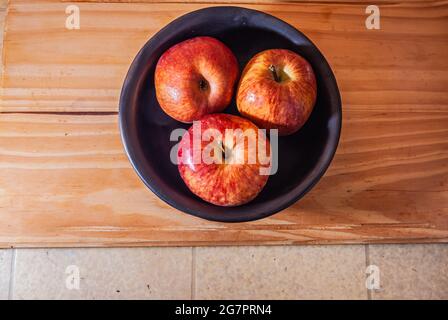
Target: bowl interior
{"type": "Point", "coordinates": [303, 157]}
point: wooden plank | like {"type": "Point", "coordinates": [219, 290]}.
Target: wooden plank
{"type": "Point", "coordinates": [65, 181]}
{"type": "Point", "coordinates": [50, 68]}
{"type": "Point", "coordinates": [276, 2]}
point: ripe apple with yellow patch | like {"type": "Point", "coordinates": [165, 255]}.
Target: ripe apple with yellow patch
{"type": "Point", "coordinates": [277, 90]}
{"type": "Point", "coordinates": [195, 77]}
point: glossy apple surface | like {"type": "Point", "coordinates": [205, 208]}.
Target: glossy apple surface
{"type": "Point", "coordinates": [277, 90]}
{"type": "Point", "coordinates": [195, 77]}
{"type": "Point", "coordinates": [232, 178]}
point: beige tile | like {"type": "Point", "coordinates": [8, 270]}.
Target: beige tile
{"type": "Point", "coordinates": [5, 272]}
{"type": "Point", "coordinates": [288, 272]}
{"type": "Point", "coordinates": [411, 271]}
{"type": "Point", "coordinates": [138, 273]}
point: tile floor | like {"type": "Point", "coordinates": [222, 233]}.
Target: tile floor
{"type": "Point", "coordinates": [280, 272]}
{"type": "Point", "coordinates": [286, 272]}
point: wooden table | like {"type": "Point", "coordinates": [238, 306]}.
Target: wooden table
{"type": "Point", "coordinates": [65, 180]}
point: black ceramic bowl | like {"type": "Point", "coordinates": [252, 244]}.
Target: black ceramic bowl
{"type": "Point", "coordinates": [145, 128]}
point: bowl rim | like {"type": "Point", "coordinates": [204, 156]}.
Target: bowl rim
{"type": "Point", "coordinates": [322, 164]}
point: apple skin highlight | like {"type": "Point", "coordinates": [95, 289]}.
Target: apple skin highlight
{"type": "Point", "coordinates": [277, 90]}
{"type": "Point", "coordinates": [195, 77]}
{"type": "Point", "coordinates": [224, 184]}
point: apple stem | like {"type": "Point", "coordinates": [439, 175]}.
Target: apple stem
{"type": "Point", "coordinates": [221, 146]}
{"type": "Point", "coordinates": [274, 73]}
{"type": "Point", "coordinates": [203, 84]}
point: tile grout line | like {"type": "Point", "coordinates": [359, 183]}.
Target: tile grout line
{"type": "Point", "coordinates": [367, 254]}
{"type": "Point", "coordinates": [193, 273]}
{"type": "Point", "coordinates": [12, 274]}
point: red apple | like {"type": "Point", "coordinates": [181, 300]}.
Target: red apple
{"type": "Point", "coordinates": [277, 90]}
{"type": "Point", "coordinates": [224, 159]}
{"type": "Point", "coordinates": [195, 77]}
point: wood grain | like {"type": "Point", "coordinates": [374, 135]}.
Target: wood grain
{"type": "Point", "coordinates": [49, 68]}
{"type": "Point", "coordinates": [65, 181]}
